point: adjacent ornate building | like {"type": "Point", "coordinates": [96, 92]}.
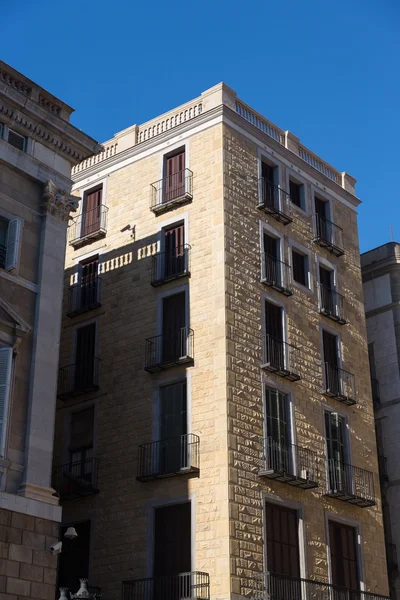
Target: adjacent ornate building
{"type": "Point", "coordinates": [215, 431]}
{"type": "Point", "coordinates": [38, 148]}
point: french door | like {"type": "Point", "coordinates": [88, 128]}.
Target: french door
{"type": "Point", "coordinates": [175, 177]}
{"type": "Point", "coordinates": [91, 212]}
{"type": "Point", "coordinates": [173, 454]}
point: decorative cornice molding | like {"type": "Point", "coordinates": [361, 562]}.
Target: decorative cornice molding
{"type": "Point", "coordinates": [58, 203]}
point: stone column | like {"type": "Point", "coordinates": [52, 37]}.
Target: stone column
{"type": "Point", "coordinates": [36, 481]}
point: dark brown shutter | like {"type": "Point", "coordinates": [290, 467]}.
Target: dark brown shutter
{"type": "Point", "coordinates": [82, 429]}
{"type": "Point", "coordinates": [330, 349]}
{"type": "Point", "coordinates": [282, 540]}
{"type": "Point", "coordinates": [173, 410]}
{"type": "Point", "coordinates": [342, 539]}
{"type": "Point", "coordinates": [85, 349]}
{"type": "Point", "coordinates": [91, 213]}
{"type": "Point", "coordinates": [175, 176]}
{"type": "Point", "coordinates": [89, 282]}
{"type": "Point", "coordinates": [299, 268]}
{"type": "Point", "coordinates": [172, 541]}
{"type": "Point", "coordinates": [273, 321]}
{"type": "Point", "coordinates": [174, 240]}
{"type": "Point", "coordinates": [174, 339]}
{"type": "Point", "coordinates": [294, 191]}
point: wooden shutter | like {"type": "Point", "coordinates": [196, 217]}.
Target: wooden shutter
{"type": "Point", "coordinates": [91, 213]}
{"type": "Point", "coordinates": [277, 416]}
{"type": "Point", "coordinates": [174, 321]}
{"type": "Point", "coordinates": [89, 282]}
{"type": "Point", "coordinates": [175, 176]}
{"type": "Point", "coordinates": [82, 429]}
{"type": "Point", "coordinates": [172, 544]}
{"type": "Point", "coordinates": [330, 347]}
{"type": "Point", "coordinates": [335, 437]}
{"type": "Point", "coordinates": [299, 268]}
{"type": "Point", "coordinates": [173, 410]}
{"type": "Point", "coordinates": [5, 391]}
{"type": "Point", "coordinates": [13, 242]}
{"type": "Point", "coordinates": [343, 550]}
{"type": "Point", "coordinates": [295, 193]}
{"type": "Point", "coordinates": [282, 540]}
{"type": "Point", "coordinates": [85, 355]}
{"type": "Point", "coordinates": [174, 256]}
{"type": "Point", "coordinates": [273, 321]}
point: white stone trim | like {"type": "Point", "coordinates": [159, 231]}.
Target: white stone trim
{"type": "Point", "coordinates": [28, 506]}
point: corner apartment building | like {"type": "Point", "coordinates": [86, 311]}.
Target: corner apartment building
{"type": "Point", "coordinates": [381, 279]}
{"type": "Point", "coordinates": [38, 147]}
{"type": "Point", "coordinates": [214, 430]}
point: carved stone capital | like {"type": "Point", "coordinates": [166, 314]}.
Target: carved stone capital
{"type": "Point", "coordinates": [58, 203]}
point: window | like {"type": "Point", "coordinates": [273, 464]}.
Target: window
{"type": "Point", "coordinates": [172, 548]}
{"type": "Point", "coordinates": [92, 212]}
{"type": "Point", "coordinates": [173, 428]}
{"type": "Point", "coordinates": [297, 194]}
{"type": "Point", "coordinates": [16, 140]}
{"type": "Point", "coordinates": [270, 191]}
{"type": "Point", "coordinates": [6, 355]}
{"type": "Point", "coordinates": [330, 344]}
{"type": "Point", "coordinates": [300, 268]}
{"type": "Point", "coordinates": [174, 169]}
{"type": "Point", "coordinates": [10, 234]}
{"type": "Point", "coordinates": [174, 327]}
{"type": "Point", "coordinates": [81, 438]}
{"type": "Point", "coordinates": [74, 557]}
{"type": "Point", "coordinates": [336, 450]}
{"type": "Point", "coordinates": [343, 551]}
{"type": "Point", "coordinates": [85, 360]}
{"type": "Point", "coordinates": [276, 445]}
{"type": "Point", "coordinates": [85, 293]}
{"type": "Point", "coordinates": [282, 547]}
{"type": "Point", "coordinates": [174, 249]}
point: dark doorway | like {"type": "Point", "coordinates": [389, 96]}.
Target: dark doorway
{"type": "Point", "coordinates": [174, 333]}
{"type": "Point", "coordinates": [344, 567]}
{"type": "Point", "coordinates": [74, 559]}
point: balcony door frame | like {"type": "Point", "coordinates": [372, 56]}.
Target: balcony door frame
{"type": "Point", "coordinates": [329, 516]}
{"type": "Point", "coordinates": [161, 502]}
{"type": "Point", "coordinates": [316, 191]}
{"type": "Point", "coordinates": [267, 229]}
{"type": "Point", "coordinates": [75, 328]}
{"type": "Point", "coordinates": [265, 297]}
{"type": "Point", "coordinates": [328, 266]}
{"type": "Point", "coordinates": [183, 145]}
{"type": "Point", "coordinates": [270, 498]}
{"type": "Point", "coordinates": [292, 175]}
{"type": "Point", "coordinates": [159, 305]}
{"type": "Point", "coordinates": [325, 407]}
{"type": "Point", "coordinates": [263, 156]}
{"type": "Point", "coordinates": [323, 327]}
{"type": "Point", "coordinates": [102, 182]}
{"type": "Point", "coordinates": [268, 382]}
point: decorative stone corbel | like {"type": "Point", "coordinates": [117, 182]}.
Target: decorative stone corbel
{"type": "Point", "coordinates": [58, 203]}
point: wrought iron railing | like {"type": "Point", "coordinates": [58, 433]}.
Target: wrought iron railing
{"type": "Point", "coordinates": [276, 274]}
{"type": "Point", "coordinates": [331, 304]}
{"type": "Point", "coordinates": [170, 265]}
{"type": "Point", "coordinates": [349, 483]}
{"type": "Point", "coordinates": [273, 200]}
{"type": "Point", "coordinates": [270, 586]}
{"type": "Point", "coordinates": [391, 557]}
{"type": "Point", "coordinates": [328, 235]}
{"type": "Point", "coordinates": [90, 223]}
{"type": "Point", "coordinates": [78, 378]}
{"type": "Point", "coordinates": [280, 357]}
{"type": "Point", "coordinates": [382, 465]}
{"type": "Point", "coordinates": [171, 190]}
{"type": "Point", "coordinates": [3, 253]}
{"type": "Point", "coordinates": [75, 479]}
{"type": "Point", "coordinates": [339, 384]}
{"type": "Point", "coordinates": [163, 351]}
{"type": "Point", "coordinates": [376, 397]}
{"type": "Point", "coordinates": [84, 296]}
{"type": "Point", "coordinates": [289, 463]}
{"type": "Point", "coordinates": [164, 458]}
{"type": "Point", "coordinates": [194, 586]}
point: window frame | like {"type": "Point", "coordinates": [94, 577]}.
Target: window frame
{"type": "Point", "coordinates": [324, 196]}
{"type": "Point", "coordinates": [9, 389]}
{"type": "Point", "coordinates": [269, 158]}
{"type": "Point", "coordinates": [6, 216]}
{"type": "Point", "coordinates": [327, 408]}
{"type": "Point", "coordinates": [76, 410]}
{"type": "Point", "coordinates": [80, 325]}
{"type": "Point", "coordinates": [83, 192]}
{"type": "Point", "coordinates": [159, 305]}
{"type": "Point", "coordinates": [323, 327]}
{"type": "Point", "coordinates": [292, 175]}
{"type": "Point", "coordinates": [309, 274]}
{"type": "Point", "coordinates": [265, 297]}
{"type": "Point", "coordinates": [330, 516]}
{"type": "Point", "coordinates": [156, 402]}
{"type": "Point", "coordinates": [266, 228]}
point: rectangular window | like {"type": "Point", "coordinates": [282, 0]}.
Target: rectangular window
{"type": "Point", "coordinates": [333, 382]}
{"type": "Point", "coordinates": [174, 327]}
{"type": "Point", "coordinates": [10, 235]}
{"type": "Point", "coordinates": [277, 450]}
{"type": "Point", "coordinates": [85, 360]}
{"type": "Point", "coordinates": [91, 218]}
{"type": "Point", "coordinates": [300, 268]}
{"type": "Point", "coordinates": [296, 192]}
{"type": "Point", "coordinates": [172, 550]}
{"type": "Point", "coordinates": [173, 428]}
{"type": "Point", "coordinates": [270, 192]}
{"type": "Point", "coordinates": [174, 176]}
{"type": "Point", "coordinates": [336, 448]}
{"type": "Point", "coordinates": [326, 278]}
{"type": "Point", "coordinates": [6, 357]}
{"type": "Point", "coordinates": [282, 546]}
{"type": "Point", "coordinates": [321, 207]}
{"type": "Point", "coordinates": [273, 320]}
{"type": "Point", "coordinates": [343, 551]}
{"type": "Point", "coordinates": [89, 277]}
{"type": "Point", "coordinates": [81, 439]}
{"type": "Point", "coordinates": [174, 250]}
{"type": "Point", "coordinates": [16, 140]}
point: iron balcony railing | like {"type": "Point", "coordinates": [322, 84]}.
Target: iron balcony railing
{"type": "Point", "coordinates": [165, 458]}
{"type": "Point", "coordinates": [376, 398]}
{"type": "Point", "coordinates": [273, 200]}
{"type": "Point", "coordinates": [289, 463]}
{"type": "Point", "coordinates": [331, 304]}
{"type": "Point", "coordinates": [3, 252]}
{"type": "Point", "coordinates": [170, 265]}
{"type": "Point", "coordinates": [194, 586]}
{"type": "Point", "coordinates": [270, 586]}
{"type": "Point", "coordinates": [171, 190]}
{"type": "Point", "coordinates": [78, 378]}
{"type": "Point", "coordinates": [339, 384]}
{"type": "Point", "coordinates": [280, 357]}
{"type": "Point", "coordinates": [382, 465]}
{"type": "Point", "coordinates": [328, 235]}
{"type": "Point", "coordinates": [276, 274]}
{"type": "Point", "coordinates": [89, 224]}
{"type": "Point", "coordinates": [164, 351]}
{"type": "Point", "coordinates": [391, 557]}
{"type": "Point", "coordinates": [84, 296]}
{"type": "Point", "coordinates": [349, 483]}
{"type": "Point", "coordinates": [76, 479]}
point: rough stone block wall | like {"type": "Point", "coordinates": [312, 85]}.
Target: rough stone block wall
{"type": "Point", "coordinates": [245, 378]}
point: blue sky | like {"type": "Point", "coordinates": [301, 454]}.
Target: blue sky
{"type": "Point", "coordinates": [326, 70]}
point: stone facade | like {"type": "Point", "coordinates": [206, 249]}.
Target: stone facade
{"type": "Point", "coordinates": [38, 147]}
{"type": "Point", "coordinates": [224, 144]}
{"type": "Point", "coordinates": [381, 279]}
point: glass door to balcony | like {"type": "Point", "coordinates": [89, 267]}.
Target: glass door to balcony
{"type": "Point", "coordinates": [344, 568]}
{"type": "Point", "coordinates": [336, 452]}
{"type": "Point", "coordinates": [277, 449]}
{"type": "Point", "coordinates": [275, 354]}
{"type": "Point", "coordinates": [85, 357]}
{"type": "Point", "coordinates": [174, 339]}
{"type": "Point", "coordinates": [174, 251]}
{"type": "Point", "coordinates": [333, 383]}
{"type": "Point", "coordinates": [91, 212]}
{"type": "Point", "coordinates": [172, 552]}
{"type": "Point", "coordinates": [173, 440]}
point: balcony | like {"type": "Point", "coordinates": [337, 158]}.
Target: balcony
{"type": "Point", "coordinates": [350, 484]}
{"type": "Point", "coordinates": [391, 558]}
{"type": "Point", "coordinates": [193, 586]}
{"type": "Point", "coordinates": [90, 224]}
{"type": "Point", "coordinates": [166, 458]}
{"type": "Point", "coordinates": [376, 397]}
{"type": "Point", "coordinates": [281, 358]}
{"type": "Point", "coordinates": [165, 351]}
{"type": "Point", "coordinates": [75, 479]}
{"type": "Point", "coordinates": [289, 464]}
{"type": "Point", "coordinates": [167, 266]}
{"type": "Point", "coordinates": [84, 296]}
{"type": "Point", "coordinates": [382, 466]}
{"type": "Point", "coordinates": [276, 274]}
{"type": "Point", "coordinates": [273, 201]}
{"type": "Point", "coordinates": [3, 252]}
{"type": "Point", "coordinates": [328, 235]}
{"type": "Point", "coordinates": [339, 384]}
{"type": "Point", "coordinates": [171, 191]}
{"type": "Point", "coordinates": [331, 304]}
{"type": "Point", "coordinates": [78, 378]}
{"type": "Point", "coordinates": [269, 586]}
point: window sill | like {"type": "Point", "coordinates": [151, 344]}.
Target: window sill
{"type": "Point", "coordinates": [303, 288]}
{"type": "Point", "coordinates": [301, 211]}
